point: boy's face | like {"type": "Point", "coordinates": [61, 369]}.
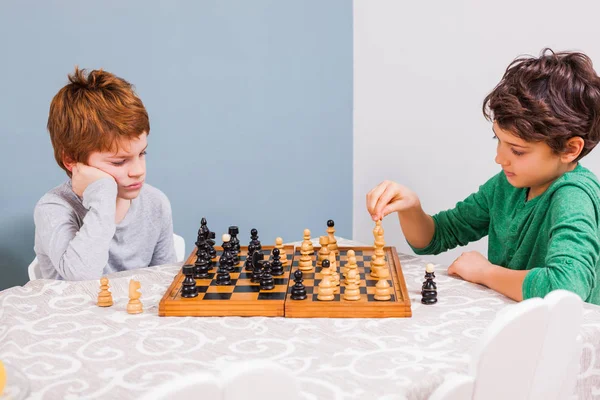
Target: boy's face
{"type": "Point", "coordinates": [127, 166]}
{"type": "Point", "coordinates": [527, 164]}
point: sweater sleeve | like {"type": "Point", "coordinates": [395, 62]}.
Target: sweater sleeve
{"type": "Point", "coordinates": [573, 248]}
{"type": "Point", "coordinates": [79, 253]}
{"type": "Point", "coordinates": [467, 222]}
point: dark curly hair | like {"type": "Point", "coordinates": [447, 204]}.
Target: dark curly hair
{"type": "Point", "coordinates": [548, 99]}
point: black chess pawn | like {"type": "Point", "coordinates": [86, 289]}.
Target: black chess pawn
{"type": "Point", "coordinates": [202, 265]}
{"type": "Point", "coordinates": [298, 290]}
{"type": "Point", "coordinates": [266, 279]}
{"type": "Point", "coordinates": [235, 244]}
{"type": "Point", "coordinates": [325, 264]}
{"type": "Point", "coordinates": [223, 277]}
{"type": "Point", "coordinates": [254, 240]}
{"type": "Point", "coordinates": [248, 263]}
{"type": "Point", "coordinates": [188, 287]}
{"type": "Point", "coordinates": [276, 264]}
{"type": "Point", "coordinates": [256, 261]}
{"type": "Point", "coordinates": [429, 289]}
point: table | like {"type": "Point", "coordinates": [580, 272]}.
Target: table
{"type": "Point", "coordinates": [53, 332]}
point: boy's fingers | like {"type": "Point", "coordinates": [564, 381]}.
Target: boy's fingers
{"type": "Point", "coordinates": [373, 196]}
{"type": "Point", "coordinates": [384, 200]}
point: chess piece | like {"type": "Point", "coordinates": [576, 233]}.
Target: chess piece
{"type": "Point", "coordinates": [235, 244]}
{"type": "Point", "coordinates": [254, 240]}
{"type": "Point", "coordinates": [326, 271]}
{"type": "Point", "coordinates": [257, 257]}
{"type": "Point", "coordinates": [323, 253]}
{"type": "Point", "coordinates": [305, 263]}
{"type": "Point", "coordinates": [135, 305]}
{"type": "Point", "coordinates": [298, 290]}
{"type": "Point", "coordinates": [227, 257]}
{"type": "Point", "coordinates": [325, 289]}
{"type": "Point", "coordinates": [429, 289]}
{"type": "Point", "coordinates": [383, 290]}
{"type": "Point", "coordinates": [223, 277]}
{"type": "Point", "coordinates": [352, 289]}
{"type": "Point", "coordinates": [211, 242]}
{"type": "Point", "coordinates": [307, 240]}
{"type": "Point", "coordinates": [202, 265]}
{"type": "Point", "coordinates": [350, 265]}
{"type": "Point", "coordinates": [373, 267]}
{"type": "Point", "coordinates": [104, 296]}
{"type": "Point", "coordinates": [188, 287]}
{"type": "Point", "coordinates": [203, 232]}
{"type": "Point", "coordinates": [378, 260]}
{"type": "Point", "coordinates": [276, 265]}
{"type": "Point", "coordinates": [266, 278]}
{"type": "Point", "coordinates": [282, 253]}
{"type": "Point", "coordinates": [335, 276]}
{"type": "Point", "coordinates": [248, 263]}
{"type": "Point", "coordinates": [331, 237]}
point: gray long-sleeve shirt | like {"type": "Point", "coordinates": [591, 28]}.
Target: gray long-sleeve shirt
{"type": "Point", "coordinates": [77, 239]}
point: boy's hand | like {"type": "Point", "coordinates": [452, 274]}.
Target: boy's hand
{"type": "Point", "coordinates": [389, 197]}
{"type": "Point", "coordinates": [83, 175]}
{"type": "Point", "coordinates": [471, 266]}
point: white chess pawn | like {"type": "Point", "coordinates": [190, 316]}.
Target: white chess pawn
{"type": "Point", "coordinates": [383, 290]}
{"type": "Point", "coordinates": [305, 263]}
{"type": "Point", "coordinates": [325, 289]}
{"type": "Point", "coordinates": [282, 253]}
{"type": "Point", "coordinates": [350, 264]}
{"type": "Point", "coordinates": [335, 276]}
{"type": "Point", "coordinates": [352, 290]}
{"type": "Point", "coordinates": [307, 240]}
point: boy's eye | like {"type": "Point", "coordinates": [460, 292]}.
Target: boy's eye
{"type": "Point", "coordinates": [517, 153]}
{"type": "Point", "coordinates": [143, 153]}
{"type": "Point", "coordinates": [118, 163]}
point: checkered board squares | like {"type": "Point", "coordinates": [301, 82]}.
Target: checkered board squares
{"type": "Point", "coordinates": [241, 298]}
{"type": "Point", "coordinates": [367, 306]}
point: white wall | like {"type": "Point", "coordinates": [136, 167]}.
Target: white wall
{"type": "Point", "coordinates": [421, 72]}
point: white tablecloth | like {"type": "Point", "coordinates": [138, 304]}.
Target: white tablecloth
{"type": "Point", "coordinates": [54, 333]}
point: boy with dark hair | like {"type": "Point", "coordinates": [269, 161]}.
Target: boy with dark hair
{"type": "Point", "coordinates": [542, 212]}
{"type": "Point", "coordinates": [105, 218]}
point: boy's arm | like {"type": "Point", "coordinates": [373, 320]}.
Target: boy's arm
{"type": "Point", "coordinates": [467, 222]}
{"type": "Point", "coordinates": [164, 251]}
{"type": "Point", "coordinates": [573, 248]}
{"type": "Point", "coordinates": [79, 253]}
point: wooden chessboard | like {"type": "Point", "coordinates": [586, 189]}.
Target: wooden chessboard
{"type": "Point", "coordinates": [244, 298]}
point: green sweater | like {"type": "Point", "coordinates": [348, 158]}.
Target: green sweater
{"type": "Point", "coordinates": [556, 235]}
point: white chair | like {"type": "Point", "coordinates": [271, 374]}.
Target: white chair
{"type": "Point", "coordinates": [179, 242]}
{"type": "Point", "coordinates": [530, 351]}
{"type": "Point", "coordinates": [237, 381]}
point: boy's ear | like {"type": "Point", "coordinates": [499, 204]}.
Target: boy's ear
{"type": "Point", "coordinates": [573, 148]}
{"type": "Point", "coordinates": [68, 162]}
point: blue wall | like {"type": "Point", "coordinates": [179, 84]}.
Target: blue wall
{"type": "Point", "coordinates": [250, 107]}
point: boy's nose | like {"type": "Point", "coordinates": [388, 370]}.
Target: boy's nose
{"type": "Point", "coordinates": [137, 169]}
{"type": "Point", "coordinates": [500, 160]}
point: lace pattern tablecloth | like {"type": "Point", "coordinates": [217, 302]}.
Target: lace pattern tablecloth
{"type": "Point", "coordinates": [70, 348]}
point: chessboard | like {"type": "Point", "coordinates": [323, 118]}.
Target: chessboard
{"type": "Point", "coordinates": [243, 298]}
{"type": "Point", "coordinates": [366, 306]}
